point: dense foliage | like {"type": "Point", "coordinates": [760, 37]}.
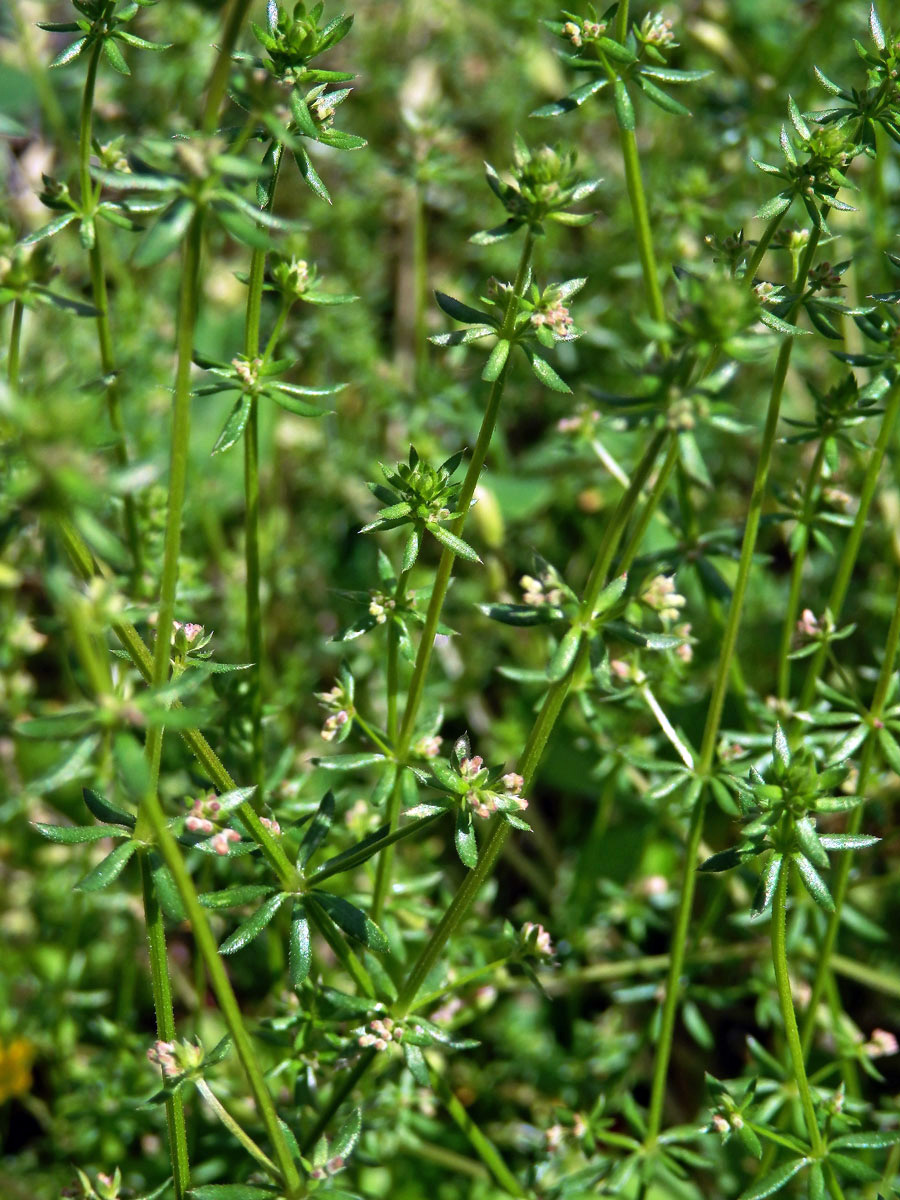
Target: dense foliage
{"type": "Point", "coordinates": [450, 711]}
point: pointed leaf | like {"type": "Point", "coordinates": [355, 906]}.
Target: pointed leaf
{"type": "Point", "coordinates": [353, 922]}
{"type": "Point", "coordinates": [299, 949]}
{"type": "Point", "coordinates": [452, 542]}
{"type": "Point", "coordinates": [813, 882]}
{"type": "Point", "coordinates": [464, 837]}
{"type": "Point", "coordinates": [253, 926]}
{"type": "Point", "coordinates": [774, 1181]}
{"type": "Point", "coordinates": [70, 835]}
{"type": "Point", "coordinates": [318, 830]}
{"type": "Point", "coordinates": [109, 869]}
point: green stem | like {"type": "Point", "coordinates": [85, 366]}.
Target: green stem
{"type": "Point", "coordinates": [444, 571]}
{"type": "Point", "coordinates": [393, 665]}
{"type": "Point", "coordinates": [790, 618]}
{"type": "Point", "coordinates": [161, 989]}
{"type": "Point", "coordinates": [233, 1127]}
{"type": "Point", "coordinates": [101, 301]}
{"type": "Point", "coordinates": [641, 219]}
{"type": "Point", "coordinates": [650, 507]}
{"type": "Point", "coordinates": [86, 566]}
{"type": "Point", "coordinates": [215, 92]}
{"type": "Point", "coordinates": [221, 986]}
{"type": "Point", "coordinates": [850, 552]}
{"type": "Point", "coordinates": [15, 344]}
{"type": "Point", "coordinates": [481, 1144]}
{"type": "Point", "coordinates": [714, 712]}
{"type": "Point", "coordinates": [534, 747]}
{"type": "Point", "coordinates": [251, 524]}
{"type": "Point", "coordinates": [783, 984]}
{"type": "Point", "coordinates": [181, 417]}
{"type": "Point", "coordinates": [842, 875]}
{"type": "Point", "coordinates": [420, 285]}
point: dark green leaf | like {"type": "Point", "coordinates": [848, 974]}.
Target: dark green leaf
{"type": "Point", "coordinates": [353, 922]}
{"type": "Point", "coordinates": [452, 542]}
{"type": "Point", "coordinates": [318, 830]}
{"type": "Point", "coordinates": [109, 869]}
{"type": "Point", "coordinates": [299, 949]}
{"type": "Point", "coordinates": [69, 835]}
{"type": "Point", "coordinates": [464, 837]}
{"type": "Point", "coordinates": [774, 1181]}
{"type": "Point", "coordinates": [253, 926]}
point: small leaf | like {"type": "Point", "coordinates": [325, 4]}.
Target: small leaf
{"type": "Point", "coordinates": [104, 811]}
{"type": "Point", "coordinates": [464, 837]}
{"type": "Point", "coordinates": [418, 1067]}
{"type": "Point", "coordinates": [318, 830]}
{"type": "Point", "coordinates": [889, 749]}
{"type": "Point", "coordinates": [611, 594]}
{"type": "Point", "coordinates": [236, 896]}
{"type": "Point", "coordinates": [774, 1181]}
{"type": "Point", "coordinates": [813, 882]}
{"type": "Point", "coordinates": [865, 1140]}
{"type": "Point", "coordinates": [347, 1136]}
{"type": "Point", "coordinates": [809, 842]}
{"type": "Point", "coordinates": [109, 869]}
{"type": "Point", "coordinates": [231, 1191]}
{"type": "Point", "coordinates": [547, 375]}
{"type": "Point", "coordinates": [877, 31]}
{"type": "Point", "coordinates": [724, 860]}
{"type": "Point", "coordinates": [522, 614]}
{"type": "Point", "coordinates": [780, 748]}
{"type": "Point", "coordinates": [234, 426]}
{"type": "Point", "coordinates": [461, 312]}
{"type": "Point", "coordinates": [163, 237]}
{"type": "Point", "coordinates": [624, 106]}
{"type": "Point", "coordinates": [497, 361]}
{"type": "Point", "coordinates": [166, 891]}
{"type": "Point", "coordinates": [452, 542]}
{"type": "Point", "coordinates": [766, 888]}
{"type": "Point", "coordinates": [774, 207]}
{"type": "Point", "coordinates": [565, 653]}
{"type": "Point", "coordinates": [299, 949]}
{"type": "Point", "coordinates": [69, 835]}
{"type": "Point", "coordinates": [353, 922]}
{"type": "Point", "coordinates": [815, 1183]}
{"type": "Point", "coordinates": [253, 926]}
{"type": "Point", "coordinates": [69, 53]}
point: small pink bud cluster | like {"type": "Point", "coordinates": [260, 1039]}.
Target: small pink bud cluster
{"type": "Point", "coordinates": [627, 672]}
{"type": "Point", "coordinates": [380, 1033]}
{"type": "Point", "coordinates": [766, 292]}
{"type": "Point", "coordinates": [335, 702]}
{"type": "Point", "coordinates": [247, 372]}
{"type": "Point", "coordinates": [582, 422]}
{"type": "Point", "coordinates": [536, 939]}
{"type": "Point", "coordinates": [660, 595]}
{"type": "Point", "coordinates": [588, 29]}
{"type": "Point", "coordinates": [271, 824]}
{"type": "Point", "coordinates": [881, 1044]}
{"type": "Point", "coordinates": [657, 30]}
{"type": "Point", "coordinates": [205, 817]}
{"type": "Point", "coordinates": [572, 32]}
{"type": "Point", "coordinates": [557, 318]}
{"type": "Point", "coordinates": [330, 1168]}
{"type": "Point", "coordinates": [163, 1055]}
{"type": "Point", "coordinates": [685, 651]}
{"type": "Point", "coordinates": [202, 815]}
{"type": "Point", "coordinates": [513, 783]}
{"type": "Point", "coordinates": [323, 110]}
{"type": "Point", "coordinates": [469, 767]}
{"type": "Point", "coordinates": [298, 275]}
{"type": "Point", "coordinates": [808, 625]}
{"type": "Point", "coordinates": [428, 747]}
{"type": "Point", "coordinates": [537, 592]}
{"type": "Point", "coordinates": [448, 1010]}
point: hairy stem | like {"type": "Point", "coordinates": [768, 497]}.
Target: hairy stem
{"type": "Point", "coordinates": [783, 984]}
{"type": "Point", "coordinates": [444, 571]}
{"type": "Point", "coordinates": [161, 989]}
{"type": "Point", "coordinates": [15, 344]}
{"type": "Point", "coordinates": [714, 713]}
{"type": "Point", "coordinates": [810, 492]}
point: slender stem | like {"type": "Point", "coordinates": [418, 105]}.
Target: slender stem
{"type": "Point", "coordinates": [86, 566]}
{"type": "Point", "coordinates": [215, 92]}
{"type": "Point", "coordinates": [444, 571]}
{"type": "Point", "coordinates": [790, 617]}
{"type": "Point", "coordinates": [656, 494]}
{"type": "Point", "coordinates": [783, 984]}
{"type": "Point", "coordinates": [181, 416]}
{"type": "Point", "coordinates": [850, 552]}
{"type": "Point", "coordinates": [714, 712]}
{"type": "Point", "coordinates": [85, 123]}
{"type": "Point", "coordinates": [622, 21]}
{"type": "Point", "coordinates": [641, 219]}
{"type": "Point", "coordinates": [842, 875]}
{"type": "Point", "coordinates": [481, 1144]}
{"type": "Point", "coordinates": [233, 1127]}
{"type": "Point", "coordinates": [393, 655]}
{"type": "Point", "coordinates": [761, 247]}
{"type": "Point", "coordinates": [340, 1094]}
{"type": "Point", "coordinates": [667, 727]}
{"type": "Point", "coordinates": [15, 344]}
{"type": "Point", "coordinates": [165, 1023]}
{"type": "Point", "coordinates": [534, 747]}
{"type": "Point", "coordinates": [339, 948]}
{"type": "Point", "coordinates": [420, 284]}
{"type": "Point", "coordinates": [221, 986]}
{"type": "Point", "coordinates": [251, 523]}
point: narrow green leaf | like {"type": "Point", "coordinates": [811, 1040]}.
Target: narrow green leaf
{"type": "Point", "coordinates": [165, 236]}
{"type": "Point", "coordinates": [70, 53]}
{"type": "Point", "coordinates": [234, 426]}
{"type": "Point", "coordinates": [253, 926]}
{"type": "Point", "coordinates": [104, 811]}
{"type": "Point", "coordinates": [464, 837]}
{"type": "Point", "coordinates": [565, 653]}
{"type": "Point", "coordinates": [69, 835]}
{"type": "Point", "coordinates": [497, 361]}
{"type": "Point", "coordinates": [318, 830]}
{"type": "Point", "coordinates": [462, 312]}
{"type": "Point", "coordinates": [624, 106]}
{"type": "Point", "coordinates": [809, 842]}
{"type": "Point", "coordinates": [547, 375]}
{"type": "Point", "coordinates": [766, 888]}
{"type": "Point", "coordinates": [813, 882]}
{"type": "Point", "coordinates": [418, 1067]}
{"type": "Point", "coordinates": [109, 869]}
{"type": "Point", "coordinates": [236, 896]}
{"type": "Point", "coordinates": [353, 922]}
{"type": "Point", "coordinates": [774, 1181]}
{"type": "Point", "coordinates": [866, 1140]}
{"type": "Point", "coordinates": [889, 749]}
{"type": "Point", "coordinates": [299, 948]}
{"type": "Point", "coordinates": [774, 207]}
{"type": "Point", "coordinates": [452, 542]}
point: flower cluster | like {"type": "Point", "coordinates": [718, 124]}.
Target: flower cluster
{"type": "Point", "coordinates": [206, 817]}
{"type": "Point", "coordinates": [338, 703]}
{"type": "Point", "coordinates": [660, 596]}
{"type": "Point", "coordinates": [378, 1034]}
{"type": "Point", "coordinates": [545, 590]}
{"type": "Point", "coordinates": [176, 1059]}
{"type": "Point", "coordinates": [534, 941]}
{"type": "Point", "coordinates": [543, 184]}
